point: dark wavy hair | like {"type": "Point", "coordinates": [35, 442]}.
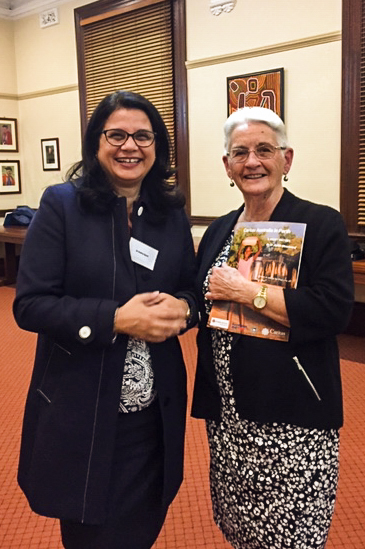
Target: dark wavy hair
{"type": "Point", "coordinates": [93, 186]}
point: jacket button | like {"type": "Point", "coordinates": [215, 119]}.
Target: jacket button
{"type": "Point", "coordinates": [85, 332]}
{"type": "Point", "coordinates": [140, 210]}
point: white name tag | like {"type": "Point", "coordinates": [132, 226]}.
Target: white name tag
{"type": "Point", "coordinates": [142, 253]}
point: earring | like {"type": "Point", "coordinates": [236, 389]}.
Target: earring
{"type": "Point", "coordinates": [231, 183]}
{"type": "Point", "coordinates": [286, 178]}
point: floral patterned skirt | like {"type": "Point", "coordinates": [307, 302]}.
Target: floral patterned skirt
{"type": "Point", "coordinates": [273, 486]}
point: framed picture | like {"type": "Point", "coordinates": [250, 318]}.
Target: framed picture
{"type": "Point", "coordinates": [8, 135]}
{"type": "Point", "coordinates": [257, 89]}
{"type": "Point", "coordinates": [50, 154]}
{"type": "Point", "coordinates": [10, 177]}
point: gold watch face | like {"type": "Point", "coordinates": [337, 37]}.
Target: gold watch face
{"type": "Point", "coordinates": [259, 302]}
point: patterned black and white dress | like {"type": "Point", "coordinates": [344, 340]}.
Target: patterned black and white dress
{"type": "Point", "coordinates": [273, 486]}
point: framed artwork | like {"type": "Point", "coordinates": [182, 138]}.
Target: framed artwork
{"type": "Point", "coordinates": [10, 177]}
{"type": "Point", "coordinates": [50, 154]}
{"type": "Point", "coordinates": [8, 135]}
{"type": "Point", "coordinates": [257, 89]}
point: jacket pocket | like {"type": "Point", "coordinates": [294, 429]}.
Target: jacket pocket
{"type": "Point", "coordinates": [307, 378]}
{"type": "Point", "coordinates": [58, 362]}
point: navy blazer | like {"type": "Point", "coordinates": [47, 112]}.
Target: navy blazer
{"type": "Point", "coordinates": [75, 270]}
{"type": "Point", "coordinates": [267, 384]}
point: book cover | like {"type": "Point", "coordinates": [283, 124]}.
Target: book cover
{"type": "Point", "coordinates": [268, 252]}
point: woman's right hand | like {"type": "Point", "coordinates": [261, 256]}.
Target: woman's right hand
{"type": "Point", "coordinates": [152, 316]}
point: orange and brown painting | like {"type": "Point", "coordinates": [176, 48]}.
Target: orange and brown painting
{"type": "Point", "coordinates": [261, 89]}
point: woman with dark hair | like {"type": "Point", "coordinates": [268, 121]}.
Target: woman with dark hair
{"type": "Point", "coordinates": [105, 279]}
{"type": "Point", "coordinates": [94, 191]}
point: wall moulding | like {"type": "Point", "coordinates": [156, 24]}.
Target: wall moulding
{"type": "Point", "coordinates": [221, 6]}
{"type": "Point", "coordinates": [40, 93]}
{"type": "Point", "coordinates": [266, 50]}
{"type": "Point", "coordinates": [9, 96]}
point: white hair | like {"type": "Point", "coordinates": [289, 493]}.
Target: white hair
{"type": "Point", "coordinates": [260, 115]}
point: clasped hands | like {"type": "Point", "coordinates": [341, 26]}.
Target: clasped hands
{"type": "Point", "coordinates": [151, 316]}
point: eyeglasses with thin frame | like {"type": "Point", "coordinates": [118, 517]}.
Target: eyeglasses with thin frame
{"type": "Point", "coordinates": [117, 137]}
{"type": "Point", "coordinates": [262, 152]}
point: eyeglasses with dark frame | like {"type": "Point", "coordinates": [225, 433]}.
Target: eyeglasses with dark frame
{"type": "Point", "coordinates": [262, 152]}
{"type": "Point", "coordinates": [117, 137]}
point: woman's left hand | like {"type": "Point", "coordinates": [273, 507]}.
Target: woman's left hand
{"type": "Point", "coordinates": [227, 284]}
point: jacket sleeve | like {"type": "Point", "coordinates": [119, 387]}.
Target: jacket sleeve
{"type": "Point", "coordinates": [321, 305]}
{"type": "Point", "coordinates": [42, 304]}
{"type": "Point", "coordinates": [188, 275]}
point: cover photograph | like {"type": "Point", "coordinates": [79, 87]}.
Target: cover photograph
{"type": "Point", "coordinates": [268, 252]}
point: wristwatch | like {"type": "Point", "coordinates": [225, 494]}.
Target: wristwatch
{"type": "Point", "coordinates": [188, 310]}
{"type": "Point", "coordinates": [260, 299]}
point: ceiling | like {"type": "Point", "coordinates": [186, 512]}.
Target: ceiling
{"type": "Point", "coordinates": [15, 9]}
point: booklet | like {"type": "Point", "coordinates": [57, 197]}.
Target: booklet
{"type": "Point", "coordinates": [268, 252]}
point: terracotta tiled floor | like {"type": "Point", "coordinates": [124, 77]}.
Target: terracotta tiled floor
{"type": "Point", "coordinates": [189, 523]}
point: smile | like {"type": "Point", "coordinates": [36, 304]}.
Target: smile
{"type": "Point", "coordinates": [255, 176]}
{"type": "Point", "coordinates": [128, 160]}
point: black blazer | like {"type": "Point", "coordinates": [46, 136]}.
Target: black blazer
{"type": "Point", "coordinates": [267, 384]}
{"type": "Point", "coordinates": [75, 270]}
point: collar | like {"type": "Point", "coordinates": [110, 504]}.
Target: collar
{"type": "Point", "coordinates": [142, 200]}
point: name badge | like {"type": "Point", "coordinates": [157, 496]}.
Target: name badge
{"type": "Point", "coordinates": [142, 253]}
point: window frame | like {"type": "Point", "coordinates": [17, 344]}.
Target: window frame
{"type": "Point", "coordinates": [351, 110]}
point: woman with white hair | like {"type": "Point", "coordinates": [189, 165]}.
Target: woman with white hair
{"type": "Point", "coordinates": [273, 408]}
